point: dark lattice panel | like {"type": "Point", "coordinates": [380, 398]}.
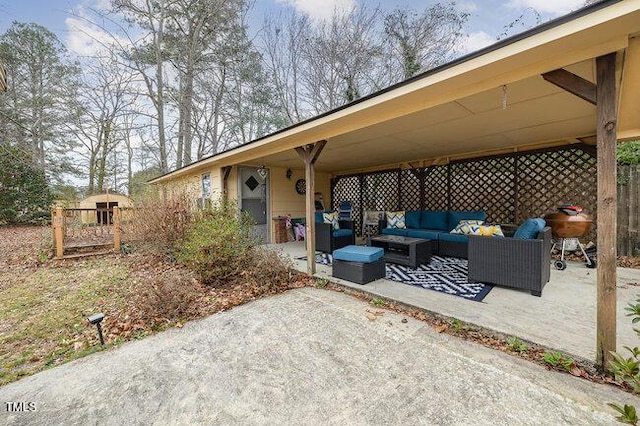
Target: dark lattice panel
{"type": "Point", "coordinates": [435, 188]}
{"type": "Point", "coordinates": [548, 179]}
{"type": "Point", "coordinates": [509, 188]}
{"type": "Point", "coordinates": [381, 191]}
{"type": "Point", "coordinates": [348, 189]}
{"type": "Point", "coordinates": [485, 185]}
{"type": "Point", "coordinates": [410, 189]}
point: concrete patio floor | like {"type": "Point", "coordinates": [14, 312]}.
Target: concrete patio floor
{"type": "Point", "coordinates": [307, 357]}
{"type": "Point", "coordinates": [564, 318]}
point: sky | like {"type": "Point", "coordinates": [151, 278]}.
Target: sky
{"type": "Point", "coordinates": [486, 22]}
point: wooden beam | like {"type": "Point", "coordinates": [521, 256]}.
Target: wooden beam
{"type": "Point", "coordinates": [309, 154]}
{"type": "Point", "coordinates": [315, 152]}
{"type": "Point", "coordinates": [572, 83]}
{"type": "Point", "coordinates": [607, 199]}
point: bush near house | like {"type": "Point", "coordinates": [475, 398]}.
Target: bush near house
{"type": "Point", "coordinates": [218, 244]}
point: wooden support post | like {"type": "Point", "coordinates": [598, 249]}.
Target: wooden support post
{"type": "Point", "coordinates": [309, 155]}
{"type": "Point", "coordinates": [116, 229]}
{"type": "Point", "coordinates": [607, 199]}
{"type": "Point", "coordinates": [58, 231]}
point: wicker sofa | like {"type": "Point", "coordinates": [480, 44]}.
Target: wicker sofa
{"type": "Point", "coordinates": [436, 226]}
{"type": "Point", "coordinates": [511, 262]}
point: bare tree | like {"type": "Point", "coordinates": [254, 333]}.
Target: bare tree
{"type": "Point", "coordinates": [284, 38]}
{"type": "Point", "coordinates": [418, 41]}
{"type": "Point", "coordinates": [197, 32]}
{"type": "Point", "coordinates": [104, 100]}
{"type": "Point", "coordinates": [148, 53]}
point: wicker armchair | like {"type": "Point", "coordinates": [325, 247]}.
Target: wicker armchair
{"type": "Point", "coordinates": [510, 262]}
{"type": "Point", "coordinates": [326, 239]}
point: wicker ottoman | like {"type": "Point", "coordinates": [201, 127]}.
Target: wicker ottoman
{"type": "Point", "coordinates": [359, 264]}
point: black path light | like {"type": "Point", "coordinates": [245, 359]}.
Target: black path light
{"type": "Point", "coordinates": [96, 319]}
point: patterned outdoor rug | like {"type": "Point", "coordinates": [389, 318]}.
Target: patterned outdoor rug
{"type": "Point", "coordinates": [444, 274]}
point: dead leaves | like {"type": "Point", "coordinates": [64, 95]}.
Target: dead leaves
{"type": "Point", "coordinates": [373, 315]}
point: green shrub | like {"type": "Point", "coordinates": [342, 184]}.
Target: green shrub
{"type": "Point", "coordinates": [556, 359]}
{"type": "Point", "coordinates": [218, 244]}
{"type": "Point", "coordinates": [627, 370]}
{"type": "Point", "coordinates": [516, 345]}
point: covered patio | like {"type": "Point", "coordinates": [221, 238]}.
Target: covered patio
{"type": "Point", "coordinates": [562, 318]}
{"type": "Point", "coordinates": [567, 85]}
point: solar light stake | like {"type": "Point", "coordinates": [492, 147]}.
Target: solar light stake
{"type": "Point", "coordinates": [96, 319]}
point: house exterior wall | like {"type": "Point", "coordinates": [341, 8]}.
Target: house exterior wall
{"type": "Point", "coordinates": [284, 198]}
{"type": "Point", "coordinates": [191, 186]}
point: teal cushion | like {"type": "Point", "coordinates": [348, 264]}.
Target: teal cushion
{"type": "Point", "coordinates": [412, 219]}
{"type": "Point", "coordinates": [394, 231]}
{"type": "Point", "coordinates": [530, 228]}
{"type": "Point", "coordinates": [426, 234]}
{"type": "Point", "coordinates": [456, 217]}
{"type": "Point", "coordinates": [319, 218]}
{"type": "Point", "coordinates": [434, 220]}
{"type": "Point", "coordinates": [453, 238]}
{"type": "Point", "coordinates": [360, 254]}
{"type": "Point", "coordinates": [342, 233]}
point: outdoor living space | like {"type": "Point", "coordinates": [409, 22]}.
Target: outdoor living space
{"type": "Point", "coordinates": [562, 318]}
{"type": "Point", "coordinates": [512, 132]}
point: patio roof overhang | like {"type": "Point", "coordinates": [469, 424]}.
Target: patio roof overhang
{"type": "Point", "coordinates": [457, 110]}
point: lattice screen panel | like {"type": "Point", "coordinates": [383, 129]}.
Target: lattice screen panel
{"type": "Point", "coordinates": [435, 188]}
{"type": "Point", "coordinates": [381, 191]}
{"type": "Point", "coordinates": [509, 188]}
{"type": "Point", "coordinates": [348, 189]}
{"type": "Point", "coordinates": [549, 179]}
{"type": "Point", "coordinates": [410, 189]}
{"type": "Point", "coordinates": [485, 185]}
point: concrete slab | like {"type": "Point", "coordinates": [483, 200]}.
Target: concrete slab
{"type": "Point", "coordinates": [309, 356]}
{"type": "Point", "coordinates": [563, 318]}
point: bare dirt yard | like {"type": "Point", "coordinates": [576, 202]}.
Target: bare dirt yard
{"type": "Point", "coordinates": [44, 304]}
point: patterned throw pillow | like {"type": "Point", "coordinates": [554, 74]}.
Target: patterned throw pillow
{"type": "Point", "coordinates": [469, 227]}
{"type": "Point", "coordinates": [332, 218]}
{"type": "Point", "coordinates": [396, 220]}
{"type": "Point", "coordinates": [490, 231]}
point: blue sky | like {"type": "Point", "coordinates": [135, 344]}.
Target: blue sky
{"type": "Point", "coordinates": [487, 20]}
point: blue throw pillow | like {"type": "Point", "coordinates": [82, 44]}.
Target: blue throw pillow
{"type": "Point", "coordinates": [435, 220]}
{"type": "Point", "coordinates": [412, 219]}
{"type": "Point", "coordinates": [530, 228]}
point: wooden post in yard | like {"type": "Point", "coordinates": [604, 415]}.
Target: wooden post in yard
{"type": "Point", "coordinates": [116, 229]}
{"type": "Point", "coordinates": [309, 155]}
{"type": "Point", "coordinates": [58, 231]}
{"type": "Point", "coordinates": [607, 202]}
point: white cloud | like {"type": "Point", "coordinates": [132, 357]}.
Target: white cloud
{"type": "Point", "coordinates": [555, 7]}
{"type": "Point", "coordinates": [87, 39]}
{"type": "Point", "coordinates": [320, 9]}
{"type": "Point", "coordinates": [476, 41]}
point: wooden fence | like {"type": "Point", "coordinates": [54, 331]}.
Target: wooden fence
{"type": "Point", "coordinates": [81, 232]}
{"type": "Point", "coordinates": [628, 210]}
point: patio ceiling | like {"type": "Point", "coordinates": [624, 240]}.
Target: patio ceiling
{"type": "Point", "coordinates": [537, 114]}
